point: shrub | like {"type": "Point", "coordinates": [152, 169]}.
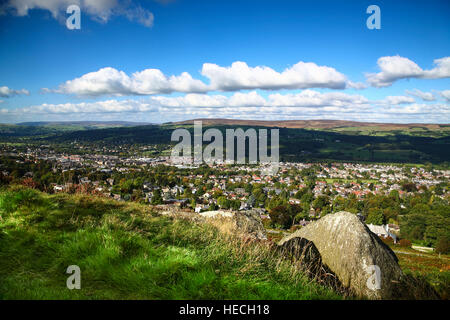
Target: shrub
{"type": "Point", "coordinates": [266, 222]}
{"type": "Point", "coordinates": [405, 243]}
{"type": "Point", "coordinates": [388, 240]}
{"type": "Point", "coordinates": [280, 215]}
{"type": "Point", "coordinates": [443, 245]}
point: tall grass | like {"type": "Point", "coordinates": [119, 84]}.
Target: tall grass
{"type": "Point", "coordinates": [126, 251]}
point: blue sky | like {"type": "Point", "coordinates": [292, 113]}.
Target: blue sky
{"type": "Point", "coordinates": [333, 62]}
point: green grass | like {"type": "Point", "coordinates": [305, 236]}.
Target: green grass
{"type": "Point", "coordinates": [126, 251]}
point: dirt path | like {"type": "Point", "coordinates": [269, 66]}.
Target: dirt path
{"type": "Point", "coordinates": [421, 255]}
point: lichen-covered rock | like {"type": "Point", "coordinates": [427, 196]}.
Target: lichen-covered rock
{"type": "Point", "coordinates": [361, 261]}
{"type": "Point", "coordinates": [244, 223]}
{"type": "Point", "coordinates": [249, 222]}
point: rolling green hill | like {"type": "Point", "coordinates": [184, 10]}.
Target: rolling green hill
{"type": "Point", "coordinates": [321, 142]}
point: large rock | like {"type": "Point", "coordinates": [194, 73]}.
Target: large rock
{"type": "Point", "coordinates": [249, 222]}
{"type": "Point", "coordinates": [245, 223]}
{"type": "Point", "coordinates": [354, 254]}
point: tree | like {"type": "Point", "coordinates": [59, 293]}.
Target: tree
{"type": "Point", "coordinates": [413, 226]}
{"type": "Point", "coordinates": [443, 245]}
{"type": "Point", "coordinates": [156, 198]}
{"type": "Point", "coordinates": [251, 200]}
{"type": "Point", "coordinates": [299, 194]}
{"type": "Point", "coordinates": [281, 216]}
{"type": "Point", "coordinates": [409, 187]}
{"type": "Point", "coordinates": [235, 205]}
{"type": "Point", "coordinates": [223, 202]}
{"type": "Point", "coordinates": [375, 217]}
{"type": "Point", "coordinates": [321, 202]}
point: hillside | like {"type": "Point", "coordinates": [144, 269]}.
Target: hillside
{"type": "Point", "coordinates": [319, 124]}
{"type": "Point", "coordinates": [127, 251]}
{"type": "Point", "coordinates": [407, 144]}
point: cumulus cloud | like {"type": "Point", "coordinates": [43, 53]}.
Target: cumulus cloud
{"type": "Point", "coordinates": [238, 76]}
{"type": "Point", "coordinates": [99, 10]}
{"type": "Point", "coordinates": [6, 92]}
{"type": "Point", "coordinates": [300, 76]}
{"type": "Point", "coordinates": [394, 68]}
{"type": "Point", "coordinates": [427, 96]}
{"type": "Point", "coordinates": [109, 81]}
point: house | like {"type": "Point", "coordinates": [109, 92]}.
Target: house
{"type": "Point", "coordinates": [58, 188]}
{"type": "Point", "coordinates": [382, 231]}
{"type": "Point", "coordinates": [201, 207]}
{"type": "Point", "coordinates": [85, 180]}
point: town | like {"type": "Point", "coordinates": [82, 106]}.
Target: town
{"type": "Point", "coordinates": [299, 193]}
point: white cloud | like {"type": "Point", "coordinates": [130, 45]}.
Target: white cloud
{"type": "Point", "coordinates": [300, 76]}
{"type": "Point", "coordinates": [394, 68]}
{"type": "Point", "coordinates": [356, 85]}
{"type": "Point", "coordinates": [99, 10]}
{"type": "Point", "coordinates": [107, 106]}
{"type": "Point", "coordinates": [307, 99]}
{"type": "Point", "coordinates": [311, 98]}
{"type": "Point", "coordinates": [427, 96]}
{"type": "Point", "coordinates": [395, 100]}
{"type": "Point", "coordinates": [239, 76]}
{"type": "Point", "coordinates": [308, 104]}
{"type": "Point", "coordinates": [6, 92]}
{"type": "Point", "coordinates": [430, 110]}
{"type": "Point", "coordinates": [445, 94]}
{"type": "Point", "coordinates": [109, 81]}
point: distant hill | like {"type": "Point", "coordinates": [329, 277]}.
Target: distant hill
{"type": "Point", "coordinates": [84, 124]}
{"type": "Point", "coordinates": [317, 124]}
{"type": "Point", "coordinates": [300, 140]}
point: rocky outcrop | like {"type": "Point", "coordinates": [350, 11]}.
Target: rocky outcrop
{"type": "Point", "coordinates": [249, 222]}
{"type": "Point", "coordinates": [360, 260]}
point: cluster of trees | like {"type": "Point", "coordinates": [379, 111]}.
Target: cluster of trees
{"type": "Point", "coordinates": [426, 219]}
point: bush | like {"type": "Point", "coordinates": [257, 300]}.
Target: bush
{"type": "Point", "coordinates": [443, 245]}
{"type": "Point", "coordinates": [266, 223]}
{"type": "Point", "coordinates": [405, 243]}
{"type": "Point", "coordinates": [280, 215]}
{"type": "Point", "coordinates": [389, 241]}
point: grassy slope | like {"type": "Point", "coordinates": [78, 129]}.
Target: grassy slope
{"type": "Point", "coordinates": [127, 252]}
{"type": "Point", "coordinates": [434, 268]}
